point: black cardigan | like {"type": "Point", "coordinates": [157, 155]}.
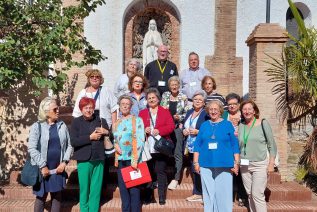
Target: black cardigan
{"type": "Point", "coordinates": [84, 148]}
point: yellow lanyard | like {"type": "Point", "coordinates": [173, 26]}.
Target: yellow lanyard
{"type": "Point", "coordinates": [160, 67]}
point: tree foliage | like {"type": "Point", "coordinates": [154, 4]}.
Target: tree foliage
{"type": "Point", "coordinates": [35, 35]}
{"type": "Point", "coordinates": [295, 75]}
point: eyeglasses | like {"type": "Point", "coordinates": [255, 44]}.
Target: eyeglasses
{"type": "Point", "coordinates": [94, 76]}
{"type": "Point", "coordinates": [88, 108]}
{"type": "Point", "coordinates": [55, 109]}
{"type": "Point", "coordinates": [138, 82]}
{"type": "Point", "coordinates": [198, 100]}
{"type": "Point", "coordinates": [232, 104]}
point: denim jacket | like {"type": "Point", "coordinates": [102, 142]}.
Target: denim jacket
{"type": "Point", "coordinates": [39, 156]}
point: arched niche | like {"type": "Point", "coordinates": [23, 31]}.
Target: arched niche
{"type": "Point", "coordinates": [291, 24]}
{"type": "Point", "coordinates": [135, 25]}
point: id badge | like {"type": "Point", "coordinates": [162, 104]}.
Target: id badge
{"type": "Point", "coordinates": [212, 145]}
{"type": "Point", "coordinates": [135, 175]}
{"type": "Point", "coordinates": [161, 83]}
{"type": "Point", "coordinates": [192, 84]}
{"type": "Point", "coordinates": [52, 171]}
{"type": "Point", "coordinates": [244, 162]}
{"type": "Point", "coordinates": [171, 72]}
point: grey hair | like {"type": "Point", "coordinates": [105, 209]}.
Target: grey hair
{"type": "Point", "coordinates": [201, 93]}
{"type": "Point", "coordinates": [173, 78]}
{"type": "Point", "coordinates": [153, 90]}
{"type": "Point", "coordinates": [138, 66]}
{"type": "Point", "coordinates": [125, 96]}
{"type": "Point", "coordinates": [44, 108]}
{"type": "Point", "coordinates": [217, 103]}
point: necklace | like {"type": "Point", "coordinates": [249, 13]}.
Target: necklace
{"type": "Point", "coordinates": [214, 127]}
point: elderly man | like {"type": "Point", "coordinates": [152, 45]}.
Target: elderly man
{"type": "Point", "coordinates": [159, 71]}
{"type": "Point", "coordinates": [191, 77]}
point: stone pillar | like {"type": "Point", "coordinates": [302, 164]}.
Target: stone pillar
{"type": "Point", "coordinates": [267, 39]}
{"type": "Point", "coordinates": [225, 66]}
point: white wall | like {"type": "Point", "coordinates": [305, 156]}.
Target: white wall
{"type": "Point", "coordinates": [250, 14]}
{"type": "Point", "coordinates": [104, 29]}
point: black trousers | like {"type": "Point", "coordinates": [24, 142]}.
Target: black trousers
{"type": "Point", "coordinates": [157, 168]}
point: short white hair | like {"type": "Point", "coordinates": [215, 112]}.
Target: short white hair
{"type": "Point", "coordinates": [44, 108]}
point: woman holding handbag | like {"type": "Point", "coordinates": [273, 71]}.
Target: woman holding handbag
{"type": "Point", "coordinates": [87, 137]}
{"type": "Point", "coordinates": [158, 122]}
{"type": "Point", "coordinates": [128, 141]}
{"type": "Point", "coordinates": [49, 148]}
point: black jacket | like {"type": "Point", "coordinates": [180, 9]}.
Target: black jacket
{"type": "Point", "coordinates": [84, 148]}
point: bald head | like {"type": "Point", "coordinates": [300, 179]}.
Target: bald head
{"type": "Point", "coordinates": [162, 52]}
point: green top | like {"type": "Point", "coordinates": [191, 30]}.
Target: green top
{"type": "Point", "coordinates": [256, 146]}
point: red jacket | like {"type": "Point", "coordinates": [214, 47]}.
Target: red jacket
{"type": "Point", "coordinates": [164, 121]}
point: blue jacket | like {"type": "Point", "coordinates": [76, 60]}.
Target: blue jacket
{"type": "Point", "coordinates": [39, 155]}
{"type": "Point", "coordinates": [203, 116]}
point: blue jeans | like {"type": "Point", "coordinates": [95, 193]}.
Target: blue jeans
{"type": "Point", "coordinates": [130, 197]}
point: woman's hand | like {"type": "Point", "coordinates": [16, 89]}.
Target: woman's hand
{"type": "Point", "coordinates": [118, 149]}
{"type": "Point", "coordinates": [186, 132]}
{"type": "Point", "coordinates": [193, 131]}
{"type": "Point", "coordinates": [134, 166]}
{"type": "Point", "coordinates": [95, 136]}
{"type": "Point", "coordinates": [270, 168]}
{"type": "Point", "coordinates": [235, 169]}
{"type": "Point", "coordinates": [102, 130]}
{"type": "Point", "coordinates": [197, 168]}
{"type": "Point", "coordinates": [155, 132]}
{"type": "Point", "coordinates": [45, 172]}
{"type": "Point", "coordinates": [148, 130]}
{"type": "Point", "coordinates": [60, 168]}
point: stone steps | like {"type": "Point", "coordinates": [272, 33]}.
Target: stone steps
{"type": "Point", "coordinates": [288, 191]}
{"type": "Point", "coordinates": [172, 205]}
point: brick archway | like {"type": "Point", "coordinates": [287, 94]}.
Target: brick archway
{"type": "Point", "coordinates": [135, 10]}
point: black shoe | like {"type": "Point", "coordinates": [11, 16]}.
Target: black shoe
{"type": "Point", "coordinates": [162, 200]}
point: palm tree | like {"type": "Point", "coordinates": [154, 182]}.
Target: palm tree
{"type": "Point", "coordinates": [295, 78]}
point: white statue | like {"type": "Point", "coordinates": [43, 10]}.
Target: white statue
{"type": "Point", "coordinates": [152, 40]}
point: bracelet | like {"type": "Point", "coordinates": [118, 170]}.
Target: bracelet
{"type": "Point", "coordinates": [237, 162]}
{"type": "Point", "coordinates": [195, 163]}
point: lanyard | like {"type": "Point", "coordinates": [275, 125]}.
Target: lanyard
{"type": "Point", "coordinates": [191, 119]}
{"type": "Point", "coordinates": [246, 137]}
{"type": "Point", "coordinates": [160, 67]}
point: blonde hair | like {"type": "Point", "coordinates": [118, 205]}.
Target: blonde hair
{"type": "Point", "coordinates": [96, 72]}
{"type": "Point", "coordinates": [44, 108]}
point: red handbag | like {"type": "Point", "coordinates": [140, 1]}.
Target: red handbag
{"type": "Point", "coordinates": [132, 177]}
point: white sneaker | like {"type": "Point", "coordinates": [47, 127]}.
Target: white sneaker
{"type": "Point", "coordinates": [173, 185]}
{"type": "Point", "coordinates": [195, 198]}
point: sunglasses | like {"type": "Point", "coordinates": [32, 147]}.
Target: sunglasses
{"type": "Point", "coordinates": [55, 109]}
{"type": "Point", "coordinates": [94, 77]}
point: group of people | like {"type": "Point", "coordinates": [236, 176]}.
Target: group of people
{"type": "Point", "coordinates": [222, 137]}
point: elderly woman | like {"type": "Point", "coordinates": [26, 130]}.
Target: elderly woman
{"type": "Point", "coordinates": [106, 103]}
{"type": "Point", "coordinates": [137, 85]}
{"type": "Point", "coordinates": [158, 122]}
{"type": "Point", "coordinates": [128, 151]}
{"type": "Point", "coordinates": [208, 84]}
{"type": "Point", "coordinates": [121, 86]}
{"type": "Point", "coordinates": [255, 162]}
{"type": "Point", "coordinates": [216, 155]}
{"type": "Point", "coordinates": [49, 148]}
{"type": "Point", "coordinates": [234, 116]}
{"type": "Point", "coordinates": [87, 137]}
{"type": "Point", "coordinates": [176, 103]}
{"type": "Point", "coordinates": [192, 122]}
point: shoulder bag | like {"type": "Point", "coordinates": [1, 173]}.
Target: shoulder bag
{"type": "Point", "coordinates": [162, 145]}
{"type": "Point", "coordinates": [31, 174]}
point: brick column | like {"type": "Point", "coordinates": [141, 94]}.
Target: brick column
{"type": "Point", "coordinates": [225, 66]}
{"type": "Point", "coordinates": [267, 39]}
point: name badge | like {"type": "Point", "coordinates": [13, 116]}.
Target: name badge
{"type": "Point", "coordinates": [52, 171]}
{"type": "Point", "coordinates": [192, 83]}
{"type": "Point", "coordinates": [135, 175]}
{"type": "Point", "coordinates": [244, 162]}
{"type": "Point", "coordinates": [171, 72]}
{"type": "Point", "coordinates": [161, 83]}
{"type": "Point", "coordinates": [212, 146]}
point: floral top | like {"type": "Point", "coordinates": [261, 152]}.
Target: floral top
{"type": "Point", "coordinates": [123, 137]}
{"type": "Point", "coordinates": [182, 105]}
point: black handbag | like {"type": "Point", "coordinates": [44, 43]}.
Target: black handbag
{"type": "Point", "coordinates": [31, 174]}
{"type": "Point", "coordinates": [162, 145]}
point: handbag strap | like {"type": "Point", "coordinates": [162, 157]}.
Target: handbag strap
{"type": "Point", "coordinates": [134, 141]}
{"type": "Point", "coordinates": [151, 119]}
{"type": "Point", "coordinates": [262, 125]}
